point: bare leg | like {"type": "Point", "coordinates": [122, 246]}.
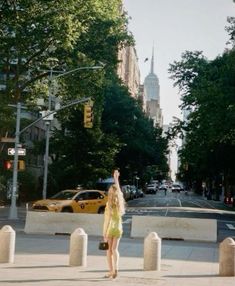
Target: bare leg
{"type": "Point", "coordinates": [115, 251]}
{"type": "Point", "coordinates": [110, 257]}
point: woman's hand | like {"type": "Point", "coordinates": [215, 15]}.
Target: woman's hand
{"type": "Point", "coordinates": [116, 175]}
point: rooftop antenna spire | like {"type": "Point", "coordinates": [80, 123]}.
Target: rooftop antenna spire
{"type": "Point", "coordinates": [152, 61]}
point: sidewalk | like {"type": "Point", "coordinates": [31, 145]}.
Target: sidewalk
{"type": "Point", "coordinates": [44, 260]}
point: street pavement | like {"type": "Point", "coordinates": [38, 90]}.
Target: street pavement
{"type": "Point", "coordinates": [44, 260]}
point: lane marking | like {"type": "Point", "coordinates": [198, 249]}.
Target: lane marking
{"type": "Point", "coordinates": [199, 204]}
{"type": "Point", "coordinates": [196, 204]}
{"type": "Point", "coordinates": [167, 209]}
{"type": "Point", "coordinates": [179, 202]}
{"type": "Point", "coordinates": [127, 221]}
{"type": "Point", "coordinates": [210, 204]}
{"type": "Point", "coordinates": [230, 226]}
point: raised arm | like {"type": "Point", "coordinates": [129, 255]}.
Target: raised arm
{"type": "Point", "coordinates": [116, 175]}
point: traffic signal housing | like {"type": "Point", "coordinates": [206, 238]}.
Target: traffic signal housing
{"type": "Point", "coordinates": [8, 165]}
{"type": "Point", "coordinates": [21, 165]}
{"type": "Point", "coordinates": [88, 115]}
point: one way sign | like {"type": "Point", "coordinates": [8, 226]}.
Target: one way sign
{"type": "Point", "coordinates": [21, 151]}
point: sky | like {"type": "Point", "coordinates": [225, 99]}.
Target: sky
{"type": "Point", "coordinates": [172, 27]}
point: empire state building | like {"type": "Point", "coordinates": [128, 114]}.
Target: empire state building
{"type": "Point", "coordinates": [152, 93]}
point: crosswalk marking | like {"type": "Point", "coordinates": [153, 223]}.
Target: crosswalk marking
{"type": "Point", "coordinates": [230, 226]}
{"type": "Point", "coordinates": [127, 221]}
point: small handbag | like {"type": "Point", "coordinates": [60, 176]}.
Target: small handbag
{"type": "Point", "coordinates": [103, 245]}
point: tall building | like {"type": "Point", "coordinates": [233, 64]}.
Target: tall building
{"type": "Point", "coordinates": [142, 98]}
{"type": "Point", "coordinates": [128, 69]}
{"type": "Point", "coordinates": [152, 92]}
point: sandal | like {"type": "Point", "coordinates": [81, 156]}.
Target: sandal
{"type": "Point", "coordinates": [108, 275]}
{"type": "Point", "coordinates": [115, 274]}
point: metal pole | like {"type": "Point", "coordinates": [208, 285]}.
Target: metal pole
{"type": "Point", "coordinates": [44, 191]}
{"type": "Point", "coordinates": [48, 126]}
{"type": "Point", "coordinates": [76, 101]}
{"type": "Point", "coordinates": [13, 207]}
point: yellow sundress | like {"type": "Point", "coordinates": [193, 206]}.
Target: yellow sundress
{"type": "Point", "coordinates": [112, 222]}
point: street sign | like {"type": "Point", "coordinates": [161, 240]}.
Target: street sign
{"type": "Point", "coordinates": [21, 151]}
{"type": "Point", "coordinates": [7, 140]}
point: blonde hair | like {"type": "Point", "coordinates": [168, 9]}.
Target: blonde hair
{"type": "Point", "coordinates": [115, 198]}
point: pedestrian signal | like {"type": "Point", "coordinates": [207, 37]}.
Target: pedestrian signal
{"type": "Point", "coordinates": [8, 164]}
{"type": "Point", "coordinates": [88, 115]}
{"type": "Point", "coordinates": [21, 165]}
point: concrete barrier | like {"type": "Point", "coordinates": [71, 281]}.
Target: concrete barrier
{"type": "Point", "coordinates": [175, 228]}
{"type": "Point", "coordinates": [53, 223]}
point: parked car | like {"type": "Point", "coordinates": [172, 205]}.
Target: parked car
{"type": "Point", "coordinates": [163, 187]}
{"type": "Point", "coordinates": [176, 188]}
{"type": "Point", "coordinates": [127, 192]}
{"type": "Point", "coordinates": [151, 189]}
{"type": "Point", "coordinates": [105, 184]}
{"type": "Point", "coordinates": [134, 191]}
{"type": "Point", "coordinates": [73, 201]}
{"type": "Point", "coordinates": [140, 193]}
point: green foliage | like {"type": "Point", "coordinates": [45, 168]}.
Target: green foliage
{"type": "Point", "coordinates": [3, 189]}
{"type": "Point", "coordinates": [40, 38]}
{"type": "Point", "coordinates": [142, 144]}
{"type": "Point", "coordinates": [28, 186]}
{"type": "Point", "coordinates": [82, 156]}
{"type": "Point", "coordinates": [231, 30]}
{"type": "Point", "coordinates": [34, 32]}
{"type": "Point", "coordinates": [209, 148]}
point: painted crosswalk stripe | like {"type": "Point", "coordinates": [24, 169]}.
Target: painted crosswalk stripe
{"type": "Point", "coordinates": [230, 226]}
{"type": "Point", "coordinates": [127, 220]}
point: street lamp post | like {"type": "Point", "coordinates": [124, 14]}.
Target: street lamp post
{"type": "Point", "coordinates": [13, 209]}
{"type": "Point", "coordinates": [48, 120]}
{"type": "Point", "coordinates": [137, 182]}
{"type": "Point", "coordinates": [13, 213]}
{"type": "Point", "coordinates": [48, 127]}
{"type": "Point", "coordinates": [46, 156]}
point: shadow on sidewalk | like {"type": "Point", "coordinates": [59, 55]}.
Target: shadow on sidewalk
{"type": "Point", "coordinates": [192, 276]}
{"type": "Point", "coordinates": [37, 267]}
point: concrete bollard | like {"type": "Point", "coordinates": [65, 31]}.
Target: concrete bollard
{"type": "Point", "coordinates": [7, 244]}
{"type": "Point", "coordinates": [78, 248]}
{"type": "Point", "coordinates": [227, 257]}
{"type": "Point", "coordinates": [152, 252]}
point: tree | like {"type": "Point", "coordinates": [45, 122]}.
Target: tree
{"type": "Point", "coordinates": [208, 91]}
{"type": "Point", "coordinates": [40, 36]}
{"type": "Point", "coordinates": [35, 32]}
{"type": "Point", "coordinates": [142, 144]}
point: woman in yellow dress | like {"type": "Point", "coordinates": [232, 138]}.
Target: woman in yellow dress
{"type": "Point", "coordinates": [112, 229]}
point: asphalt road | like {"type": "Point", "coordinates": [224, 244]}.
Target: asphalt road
{"type": "Point", "coordinates": [182, 205]}
{"type": "Point", "coordinates": [171, 205]}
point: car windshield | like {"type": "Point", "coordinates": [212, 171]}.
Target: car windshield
{"type": "Point", "coordinates": [64, 195]}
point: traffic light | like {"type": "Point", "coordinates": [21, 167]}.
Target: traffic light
{"type": "Point", "coordinates": [8, 164]}
{"type": "Point", "coordinates": [21, 165]}
{"type": "Point", "coordinates": [88, 115]}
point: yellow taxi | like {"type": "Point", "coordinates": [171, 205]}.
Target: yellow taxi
{"type": "Point", "coordinates": [74, 201]}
